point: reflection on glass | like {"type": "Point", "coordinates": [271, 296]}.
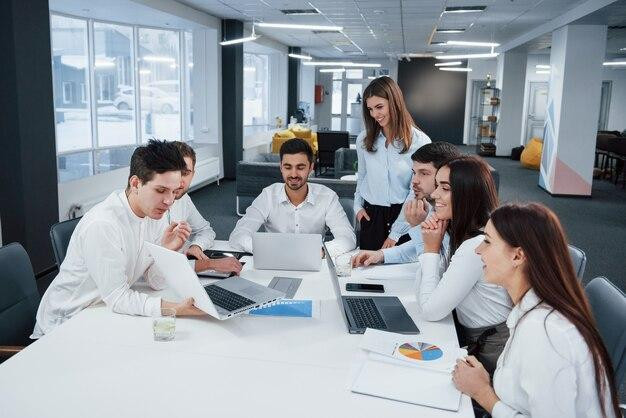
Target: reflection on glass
{"type": "Point", "coordinates": [113, 158]}
{"type": "Point", "coordinates": [71, 83]}
{"type": "Point", "coordinates": [354, 73]}
{"type": "Point", "coordinates": [354, 90]}
{"type": "Point", "coordinates": [74, 166]}
{"type": "Point", "coordinates": [159, 84]}
{"type": "Point", "coordinates": [255, 93]}
{"type": "Point", "coordinates": [113, 71]}
{"type": "Point", "coordinates": [336, 98]}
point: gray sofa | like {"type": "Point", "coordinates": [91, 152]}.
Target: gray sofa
{"type": "Point", "coordinates": [345, 162]}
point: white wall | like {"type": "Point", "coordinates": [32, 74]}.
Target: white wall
{"type": "Point", "coordinates": [323, 110]}
{"type": "Point", "coordinates": [306, 89]}
{"type": "Point", "coordinates": [531, 76]}
{"type": "Point", "coordinates": [617, 109]}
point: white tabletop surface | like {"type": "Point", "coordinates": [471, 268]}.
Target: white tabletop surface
{"type": "Point", "coordinates": [101, 364]}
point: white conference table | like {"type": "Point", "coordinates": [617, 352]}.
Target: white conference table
{"type": "Point", "coordinates": [101, 364]}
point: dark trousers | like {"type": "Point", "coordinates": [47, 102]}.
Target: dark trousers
{"type": "Point", "coordinates": [375, 231]}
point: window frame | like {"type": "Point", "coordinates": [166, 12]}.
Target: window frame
{"type": "Point", "coordinates": [92, 94]}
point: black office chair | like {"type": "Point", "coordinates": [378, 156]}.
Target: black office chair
{"type": "Point", "coordinates": [60, 234]}
{"type": "Point", "coordinates": [608, 304]}
{"type": "Point", "coordinates": [19, 299]}
{"type": "Point", "coordinates": [327, 143]}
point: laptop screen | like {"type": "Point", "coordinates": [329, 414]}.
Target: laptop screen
{"type": "Point", "coordinates": [335, 281]}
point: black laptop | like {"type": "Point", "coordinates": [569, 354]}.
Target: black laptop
{"type": "Point", "coordinates": [385, 313]}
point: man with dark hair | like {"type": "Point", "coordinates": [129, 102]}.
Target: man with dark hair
{"type": "Point", "coordinates": [296, 206]}
{"type": "Point", "coordinates": [202, 235]}
{"type": "Point", "coordinates": [106, 256]}
{"type": "Point", "coordinates": [426, 161]}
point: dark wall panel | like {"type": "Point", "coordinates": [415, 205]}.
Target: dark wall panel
{"type": "Point", "coordinates": [28, 172]}
{"type": "Point", "coordinates": [436, 99]}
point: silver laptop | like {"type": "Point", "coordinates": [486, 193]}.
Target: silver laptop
{"type": "Point", "coordinates": [377, 312]}
{"type": "Point", "coordinates": [222, 300]}
{"type": "Point", "coordinates": [275, 251]}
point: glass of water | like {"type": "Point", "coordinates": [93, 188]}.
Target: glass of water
{"type": "Point", "coordinates": [343, 265]}
{"type": "Point", "coordinates": [164, 326]}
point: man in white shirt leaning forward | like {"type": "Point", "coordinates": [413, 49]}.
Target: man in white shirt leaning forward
{"type": "Point", "coordinates": [296, 206]}
{"type": "Point", "coordinates": [202, 235]}
{"type": "Point", "coordinates": [106, 255]}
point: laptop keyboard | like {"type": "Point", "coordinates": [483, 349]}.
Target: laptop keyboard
{"type": "Point", "coordinates": [226, 299]}
{"type": "Point", "coordinates": [366, 313]}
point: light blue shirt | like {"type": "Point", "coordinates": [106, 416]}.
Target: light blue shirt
{"type": "Point", "coordinates": [411, 250]}
{"type": "Point", "coordinates": [384, 176]}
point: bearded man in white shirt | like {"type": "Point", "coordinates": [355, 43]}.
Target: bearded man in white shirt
{"type": "Point", "coordinates": [296, 206]}
{"type": "Point", "coordinates": [106, 255]}
{"type": "Point", "coordinates": [202, 235]}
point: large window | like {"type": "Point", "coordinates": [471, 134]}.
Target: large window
{"type": "Point", "coordinates": [116, 86]}
{"type": "Point", "coordinates": [255, 93]}
{"type": "Point", "coordinates": [70, 72]}
{"type": "Point", "coordinates": [159, 78]}
{"type": "Point", "coordinates": [113, 70]}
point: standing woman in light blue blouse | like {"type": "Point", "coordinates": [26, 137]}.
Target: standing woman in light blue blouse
{"type": "Point", "coordinates": [384, 157]}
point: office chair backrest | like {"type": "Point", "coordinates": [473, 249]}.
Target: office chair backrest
{"type": "Point", "coordinates": [60, 234]}
{"type": "Point", "coordinates": [579, 259]}
{"type": "Point", "coordinates": [328, 142]}
{"type": "Point", "coordinates": [19, 297]}
{"type": "Point", "coordinates": [608, 304]}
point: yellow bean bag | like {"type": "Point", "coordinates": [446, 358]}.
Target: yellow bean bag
{"type": "Point", "coordinates": [531, 156]}
{"type": "Point", "coordinates": [304, 133]}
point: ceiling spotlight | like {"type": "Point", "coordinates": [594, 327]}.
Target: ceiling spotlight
{"type": "Point", "coordinates": [460, 70]}
{"type": "Point", "coordinates": [301, 57]}
{"type": "Point", "coordinates": [466, 56]}
{"type": "Point", "coordinates": [465, 9]}
{"type": "Point", "coordinates": [614, 63]}
{"type": "Point", "coordinates": [298, 26]}
{"type": "Point", "coordinates": [450, 30]}
{"type": "Point", "coordinates": [342, 64]}
{"type": "Point", "coordinates": [448, 64]}
{"type": "Point", "coordinates": [468, 43]}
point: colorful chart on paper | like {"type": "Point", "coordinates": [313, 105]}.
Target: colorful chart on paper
{"type": "Point", "coordinates": [420, 351]}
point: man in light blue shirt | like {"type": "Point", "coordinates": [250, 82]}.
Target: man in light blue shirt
{"type": "Point", "coordinates": [426, 161]}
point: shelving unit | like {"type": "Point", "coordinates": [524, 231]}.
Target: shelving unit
{"type": "Point", "coordinates": [486, 131]}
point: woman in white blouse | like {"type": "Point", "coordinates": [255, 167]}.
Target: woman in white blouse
{"type": "Point", "coordinates": [554, 363]}
{"type": "Point", "coordinates": [454, 281]}
{"type": "Point", "coordinates": [384, 152]}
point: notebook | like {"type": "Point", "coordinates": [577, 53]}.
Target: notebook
{"type": "Point", "coordinates": [389, 380]}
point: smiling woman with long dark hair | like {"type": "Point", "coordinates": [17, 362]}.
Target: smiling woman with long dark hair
{"type": "Point", "coordinates": [384, 157]}
{"type": "Point", "coordinates": [464, 197]}
{"type": "Point", "coordinates": [554, 363]}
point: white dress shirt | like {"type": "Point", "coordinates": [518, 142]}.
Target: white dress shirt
{"type": "Point", "coordinates": [273, 209]}
{"type": "Point", "coordinates": [384, 176]}
{"type": "Point", "coordinates": [442, 287]}
{"type": "Point", "coordinates": [546, 369]}
{"type": "Point", "coordinates": [104, 258]}
{"type": "Point", "coordinates": [202, 234]}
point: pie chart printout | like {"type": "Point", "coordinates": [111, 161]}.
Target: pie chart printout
{"type": "Point", "coordinates": [420, 351]}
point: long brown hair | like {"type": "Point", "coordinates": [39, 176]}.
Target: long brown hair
{"type": "Point", "coordinates": [550, 273]}
{"type": "Point", "coordinates": [474, 196]}
{"type": "Point", "coordinates": [400, 119]}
